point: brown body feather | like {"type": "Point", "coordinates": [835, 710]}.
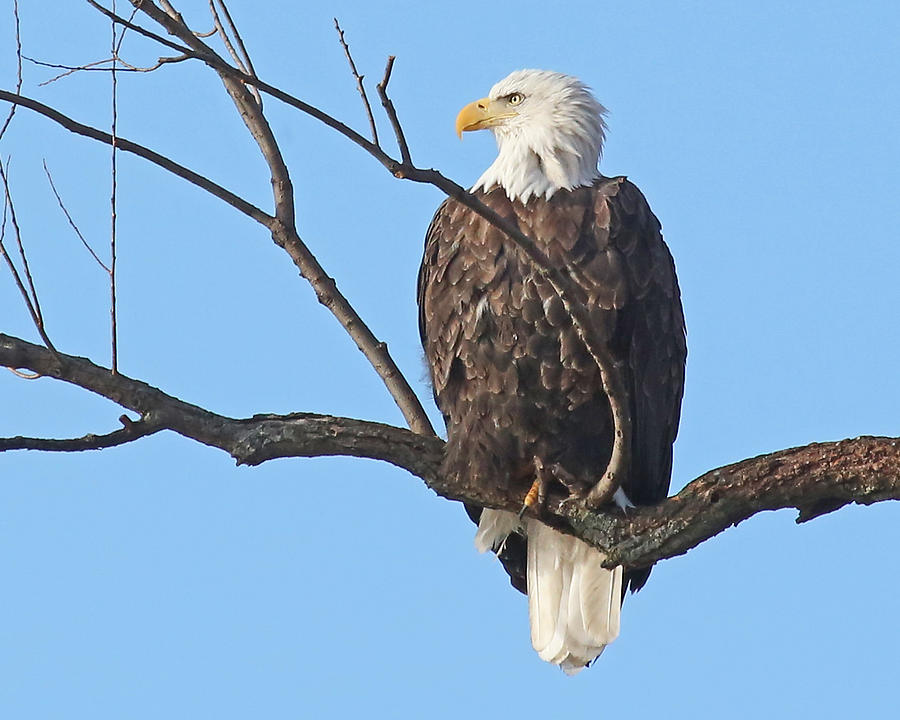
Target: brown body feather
{"type": "Point", "coordinates": [510, 374]}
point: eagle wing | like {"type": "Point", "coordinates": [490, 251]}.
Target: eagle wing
{"type": "Point", "coordinates": [650, 337]}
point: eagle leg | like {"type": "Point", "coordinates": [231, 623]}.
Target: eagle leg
{"type": "Point", "coordinates": [537, 493]}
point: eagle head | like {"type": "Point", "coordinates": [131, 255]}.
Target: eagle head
{"type": "Point", "coordinates": [549, 130]}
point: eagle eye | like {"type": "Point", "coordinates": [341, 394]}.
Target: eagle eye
{"type": "Point", "coordinates": [515, 98]}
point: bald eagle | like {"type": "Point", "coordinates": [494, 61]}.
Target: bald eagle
{"type": "Point", "coordinates": [518, 389]}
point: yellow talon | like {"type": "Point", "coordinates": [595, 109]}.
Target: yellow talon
{"type": "Point", "coordinates": [530, 497]}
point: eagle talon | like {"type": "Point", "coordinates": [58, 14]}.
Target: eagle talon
{"type": "Point", "coordinates": [536, 497]}
{"type": "Point", "coordinates": [521, 512]}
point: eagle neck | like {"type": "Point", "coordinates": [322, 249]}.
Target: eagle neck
{"type": "Point", "coordinates": [525, 170]}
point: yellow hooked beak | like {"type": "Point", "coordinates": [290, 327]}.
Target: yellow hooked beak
{"type": "Point", "coordinates": [481, 114]}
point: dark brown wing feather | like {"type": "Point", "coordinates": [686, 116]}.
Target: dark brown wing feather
{"type": "Point", "coordinates": [509, 373]}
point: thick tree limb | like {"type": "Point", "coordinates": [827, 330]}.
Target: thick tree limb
{"type": "Point", "coordinates": [250, 441]}
{"type": "Point", "coordinates": [815, 479]}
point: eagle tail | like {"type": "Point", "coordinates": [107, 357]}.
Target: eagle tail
{"type": "Point", "coordinates": [494, 527]}
{"type": "Point", "coordinates": [573, 601]}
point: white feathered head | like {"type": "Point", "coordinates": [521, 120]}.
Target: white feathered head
{"type": "Point", "coordinates": [549, 129]}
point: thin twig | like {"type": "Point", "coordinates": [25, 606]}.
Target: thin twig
{"type": "Point", "coordinates": [237, 37]}
{"type": "Point", "coordinates": [164, 60]}
{"type": "Point", "coordinates": [62, 66]}
{"type": "Point", "coordinates": [71, 221]}
{"type": "Point", "coordinates": [31, 300]}
{"type": "Point", "coordinates": [223, 34]}
{"type": "Point", "coordinates": [12, 110]}
{"type": "Point", "coordinates": [113, 330]}
{"type": "Point", "coordinates": [129, 433]}
{"type": "Point", "coordinates": [118, 46]}
{"type": "Point", "coordinates": [20, 244]}
{"type": "Point", "coordinates": [392, 113]}
{"type": "Point", "coordinates": [359, 82]}
{"type": "Point", "coordinates": [137, 28]}
{"type": "Point", "coordinates": [71, 69]}
{"type": "Point", "coordinates": [162, 161]}
{"type": "Point", "coordinates": [242, 58]}
{"type": "Point", "coordinates": [94, 66]}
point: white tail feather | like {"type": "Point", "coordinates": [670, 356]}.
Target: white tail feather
{"type": "Point", "coordinates": [494, 527]}
{"type": "Point", "coordinates": [574, 602]}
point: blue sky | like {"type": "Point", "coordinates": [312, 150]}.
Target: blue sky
{"type": "Point", "coordinates": [158, 580]}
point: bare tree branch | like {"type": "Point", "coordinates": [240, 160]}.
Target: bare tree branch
{"type": "Point", "coordinates": [237, 202]}
{"type": "Point", "coordinates": [815, 479]}
{"type": "Point", "coordinates": [113, 220]}
{"type": "Point", "coordinates": [242, 58]}
{"type": "Point", "coordinates": [12, 110]}
{"type": "Point", "coordinates": [29, 294]}
{"type": "Point", "coordinates": [359, 82]}
{"type": "Point", "coordinates": [32, 292]}
{"type": "Point", "coordinates": [286, 237]}
{"type": "Point", "coordinates": [131, 432]}
{"type": "Point", "coordinates": [71, 221]}
{"type": "Point", "coordinates": [143, 31]}
{"type": "Point", "coordinates": [93, 66]}
{"type": "Point", "coordinates": [250, 441]}
{"type": "Point", "coordinates": [391, 112]}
